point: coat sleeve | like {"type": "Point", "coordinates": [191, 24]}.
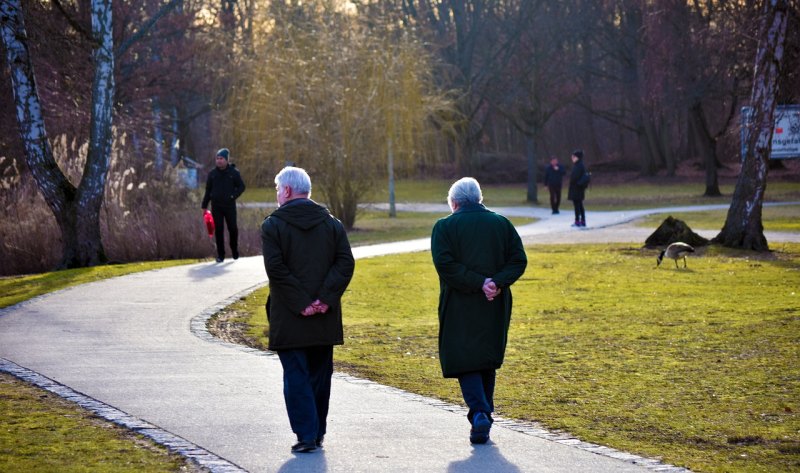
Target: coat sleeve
{"type": "Point", "coordinates": [340, 272]}
{"type": "Point", "coordinates": [516, 260]}
{"type": "Point", "coordinates": [239, 186]}
{"type": "Point", "coordinates": [454, 273]}
{"type": "Point", "coordinates": [284, 286]}
{"type": "Point", "coordinates": [207, 195]}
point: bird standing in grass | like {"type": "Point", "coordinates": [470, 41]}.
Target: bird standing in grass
{"type": "Point", "coordinates": [676, 251]}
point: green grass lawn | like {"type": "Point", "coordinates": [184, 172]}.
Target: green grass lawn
{"type": "Point", "coordinates": [598, 197]}
{"type": "Point", "coordinates": [41, 432]}
{"type": "Point", "coordinates": [698, 367]}
{"type": "Point", "coordinates": [784, 218]}
{"type": "Point", "coordinates": [14, 289]}
{"type": "Point", "coordinates": [376, 227]}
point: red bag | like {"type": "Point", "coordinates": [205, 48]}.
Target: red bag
{"type": "Point", "coordinates": [209, 223]}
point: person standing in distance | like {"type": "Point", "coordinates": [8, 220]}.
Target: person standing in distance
{"type": "Point", "coordinates": [553, 177]}
{"type": "Point", "coordinates": [309, 264]}
{"type": "Point", "coordinates": [478, 255]}
{"type": "Point", "coordinates": [223, 186]}
{"type": "Point", "coordinates": [578, 181]}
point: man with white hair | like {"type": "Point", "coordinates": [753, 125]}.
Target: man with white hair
{"type": "Point", "coordinates": [309, 264]}
{"type": "Point", "coordinates": [478, 255]}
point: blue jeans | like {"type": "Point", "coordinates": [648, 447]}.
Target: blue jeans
{"type": "Point", "coordinates": [477, 388]}
{"type": "Point", "coordinates": [307, 389]}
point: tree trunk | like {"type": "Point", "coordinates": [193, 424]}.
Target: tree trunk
{"type": "Point", "coordinates": [707, 145]}
{"type": "Point", "coordinates": [390, 170]}
{"type": "Point", "coordinates": [530, 153]}
{"type": "Point", "coordinates": [654, 142]}
{"type": "Point", "coordinates": [666, 148]}
{"type": "Point", "coordinates": [743, 227]}
{"type": "Point", "coordinates": [77, 210]}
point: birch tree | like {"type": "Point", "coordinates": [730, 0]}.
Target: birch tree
{"type": "Point", "coordinates": [76, 208]}
{"type": "Point", "coordinates": [743, 227]}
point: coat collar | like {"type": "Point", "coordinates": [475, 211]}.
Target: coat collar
{"type": "Point", "coordinates": [470, 207]}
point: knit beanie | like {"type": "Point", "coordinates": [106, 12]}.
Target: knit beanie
{"type": "Point", "coordinates": [224, 153]}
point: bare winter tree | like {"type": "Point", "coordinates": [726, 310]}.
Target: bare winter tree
{"type": "Point", "coordinates": [743, 227]}
{"type": "Point", "coordinates": [76, 208]}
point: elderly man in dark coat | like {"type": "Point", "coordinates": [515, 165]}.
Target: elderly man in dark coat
{"type": "Point", "coordinates": [478, 255]}
{"type": "Point", "coordinates": [309, 265]}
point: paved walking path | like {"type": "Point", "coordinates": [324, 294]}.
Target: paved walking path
{"type": "Point", "coordinates": [134, 349]}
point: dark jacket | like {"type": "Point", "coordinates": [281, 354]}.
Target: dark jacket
{"type": "Point", "coordinates": [578, 180]}
{"type": "Point", "coordinates": [223, 187]}
{"type": "Point", "coordinates": [467, 247]}
{"type": "Point", "coordinates": [554, 177]}
{"type": "Point", "coordinates": [307, 257]}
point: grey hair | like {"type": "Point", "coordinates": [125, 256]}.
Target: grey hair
{"type": "Point", "coordinates": [296, 178]}
{"type": "Point", "coordinates": [465, 191]}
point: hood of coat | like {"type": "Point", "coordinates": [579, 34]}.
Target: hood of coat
{"type": "Point", "coordinates": [302, 213]}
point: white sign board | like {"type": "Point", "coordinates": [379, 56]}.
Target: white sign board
{"type": "Point", "coordinates": [785, 135]}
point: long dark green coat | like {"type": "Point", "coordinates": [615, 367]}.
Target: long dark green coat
{"type": "Point", "coordinates": [467, 247]}
{"type": "Point", "coordinates": [307, 257]}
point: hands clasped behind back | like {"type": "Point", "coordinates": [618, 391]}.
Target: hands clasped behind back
{"type": "Point", "coordinates": [316, 307]}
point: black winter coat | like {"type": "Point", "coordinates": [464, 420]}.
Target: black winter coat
{"type": "Point", "coordinates": [307, 257]}
{"type": "Point", "coordinates": [467, 247]}
{"type": "Point", "coordinates": [578, 181]}
{"type": "Point", "coordinates": [223, 187]}
{"type": "Point", "coordinates": [554, 177]}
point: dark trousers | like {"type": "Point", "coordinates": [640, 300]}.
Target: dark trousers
{"type": "Point", "coordinates": [478, 391]}
{"type": "Point", "coordinates": [580, 212]}
{"type": "Point", "coordinates": [307, 389]}
{"type": "Point", "coordinates": [555, 197]}
{"type": "Point", "coordinates": [223, 215]}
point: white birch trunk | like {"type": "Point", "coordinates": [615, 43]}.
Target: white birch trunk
{"type": "Point", "coordinates": [743, 227]}
{"type": "Point", "coordinates": [38, 154]}
{"type": "Point", "coordinates": [77, 210]}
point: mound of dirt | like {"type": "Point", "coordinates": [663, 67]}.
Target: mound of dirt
{"type": "Point", "coordinates": [672, 230]}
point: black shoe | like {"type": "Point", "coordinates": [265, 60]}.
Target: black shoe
{"type": "Point", "coordinates": [235, 255]}
{"type": "Point", "coordinates": [480, 428]}
{"type": "Point", "coordinates": [304, 447]}
{"type": "Point", "coordinates": [220, 260]}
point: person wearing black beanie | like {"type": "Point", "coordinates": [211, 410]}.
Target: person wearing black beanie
{"type": "Point", "coordinates": [223, 187]}
{"type": "Point", "coordinates": [578, 181]}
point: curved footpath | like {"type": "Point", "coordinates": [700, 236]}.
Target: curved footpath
{"type": "Point", "coordinates": [134, 349]}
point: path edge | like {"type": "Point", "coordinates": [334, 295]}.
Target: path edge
{"type": "Point", "coordinates": [173, 443]}
{"type": "Point", "coordinates": [199, 329]}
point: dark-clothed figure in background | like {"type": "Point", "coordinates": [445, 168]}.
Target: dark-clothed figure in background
{"type": "Point", "coordinates": [223, 187]}
{"type": "Point", "coordinates": [553, 177]}
{"type": "Point", "coordinates": [309, 265]}
{"type": "Point", "coordinates": [478, 255]}
{"type": "Point", "coordinates": [578, 180]}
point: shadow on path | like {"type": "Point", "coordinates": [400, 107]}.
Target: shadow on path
{"type": "Point", "coordinates": [483, 458]}
{"type": "Point", "coordinates": [201, 272]}
{"type": "Point", "coordinates": [314, 462]}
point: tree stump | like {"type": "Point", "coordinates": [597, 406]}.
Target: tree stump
{"type": "Point", "coordinates": [672, 230]}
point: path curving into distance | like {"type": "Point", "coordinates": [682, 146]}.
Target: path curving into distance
{"type": "Point", "coordinates": [134, 350]}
